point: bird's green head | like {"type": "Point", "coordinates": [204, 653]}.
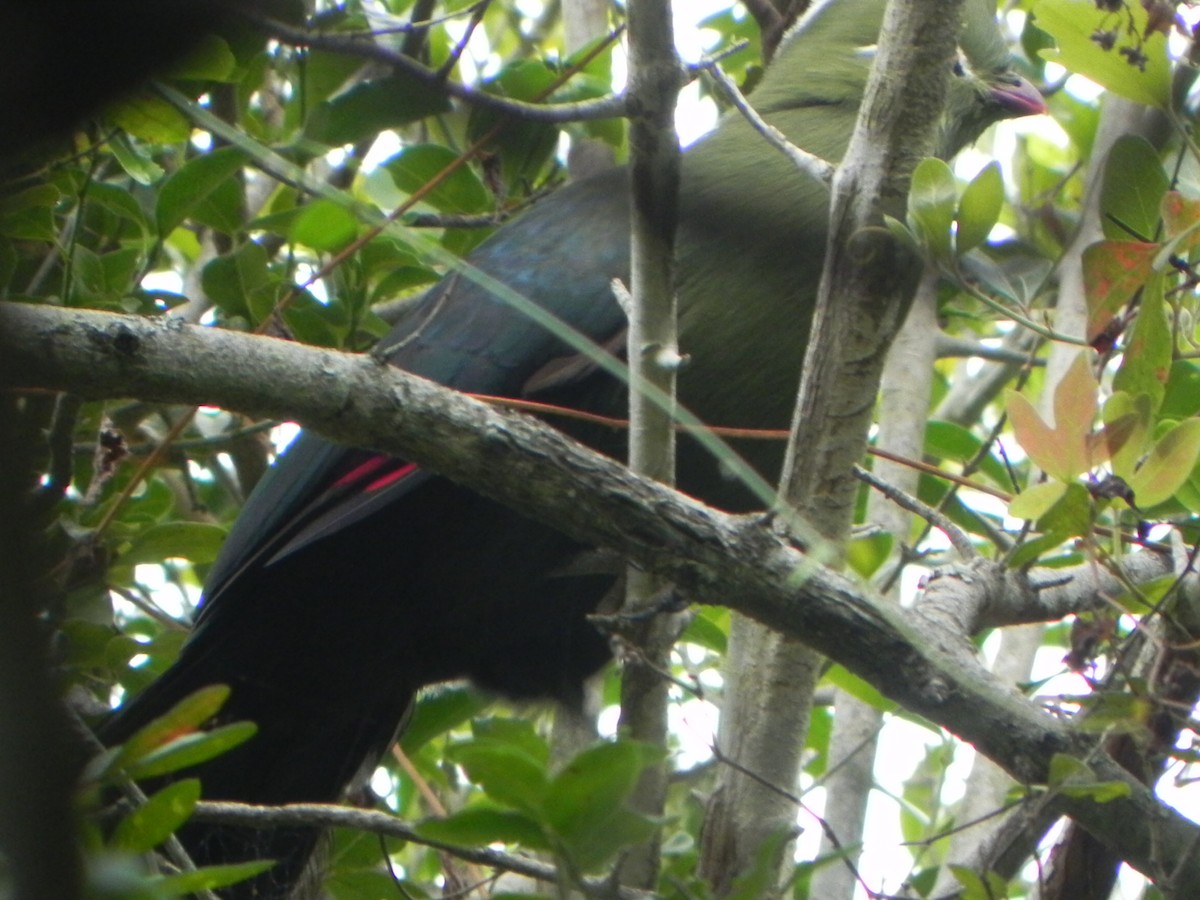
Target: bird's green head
{"type": "Point", "coordinates": [984, 88]}
{"type": "Point", "coordinates": [827, 57]}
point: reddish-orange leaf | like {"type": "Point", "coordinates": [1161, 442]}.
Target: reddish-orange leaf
{"type": "Point", "coordinates": [1113, 271]}
{"type": "Point", "coordinates": [1179, 213]}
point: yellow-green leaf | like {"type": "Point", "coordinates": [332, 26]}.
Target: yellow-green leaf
{"type": "Point", "coordinates": [1168, 466]}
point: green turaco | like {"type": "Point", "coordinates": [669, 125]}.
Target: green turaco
{"type": "Point", "coordinates": [352, 580]}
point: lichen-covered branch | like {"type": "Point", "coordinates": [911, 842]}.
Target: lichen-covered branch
{"type": "Point", "coordinates": [714, 557]}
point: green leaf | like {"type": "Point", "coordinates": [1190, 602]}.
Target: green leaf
{"type": "Point", "coordinates": [523, 147]}
{"type": "Point", "coordinates": [1182, 398]}
{"type": "Point", "coordinates": [137, 165]}
{"type": "Point", "coordinates": [1075, 398]}
{"type": "Point", "coordinates": [1146, 362]}
{"type": "Point", "coordinates": [153, 504]}
{"type": "Point", "coordinates": [865, 555]}
{"type": "Point", "coordinates": [1030, 551]}
{"type": "Point", "coordinates": [370, 107]}
{"type": "Point", "coordinates": [191, 750]}
{"type": "Point", "coordinates": [505, 772]}
{"type": "Point", "coordinates": [325, 226]}
{"type": "Point", "coordinates": [185, 716]}
{"type": "Point", "coordinates": [706, 629]}
{"type": "Point", "coordinates": [209, 60]}
{"type": "Point", "coordinates": [1035, 501]}
{"type": "Point", "coordinates": [309, 320]}
{"type": "Point", "coordinates": [594, 848]}
{"type": "Point", "coordinates": [1146, 597]}
{"type": "Point", "coordinates": [1115, 435]}
{"type": "Point", "coordinates": [1168, 465]}
{"type": "Point", "coordinates": [1189, 493]}
{"type": "Point", "coordinates": [86, 644]}
{"type": "Point", "coordinates": [762, 878]}
{"type": "Point", "coordinates": [276, 222]}
{"type": "Point", "coordinates": [205, 189]}
{"type": "Point", "coordinates": [151, 118]}
{"type": "Point", "coordinates": [1065, 768]}
{"type": "Point", "coordinates": [523, 79]}
{"type": "Point", "coordinates": [1126, 713]}
{"type": "Point", "coordinates": [459, 192]}
{"type": "Point", "coordinates": [158, 818]}
{"type": "Point", "coordinates": [597, 781]}
{"type": "Point", "coordinates": [354, 872]}
{"type": "Point", "coordinates": [1132, 190]}
{"type": "Point", "coordinates": [237, 280]}
{"type": "Point", "coordinates": [195, 541]}
{"type": "Point", "coordinates": [122, 204]}
{"type": "Point", "coordinates": [325, 73]}
{"type": "Point", "coordinates": [519, 733]}
{"type": "Point", "coordinates": [585, 802]}
{"type": "Point", "coordinates": [481, 824]}
{"type": "Point", "coordinates": [89, 287]}
{"type": "Point", "coordinates": [1139, 413]}
{"type": "Point", "coordinates": [29, 214]}
{"type": "Point", "coordinates": [1073, 778]}
{"type": "Point", "coordinates": [383, 254]}
{"type": "Point", "coordinates": [438, 713]}
{"type": "Point", "coordinates": [1071, 516]}
{"type": "Point", "coordinates": [401, 280]}
{"type": "Point", "coordinates": [902, 233]}
{"type": "Point", "coordinates": [843, 678]}
{"type": "Point", "coordinates": [931, 203]}
{"type": "Point", "coordinates": [950, 441]}
{"type": "Point", "coordinates": [979, 208]}
{"type": "Point", "coordinates": [209, 877]}
{"type": "Point", "coordinates": [989, 887]}
{"type": "Point", "coordinates": [1078, 118]}
{"type": "Point", "coordinates": [1072, 23]}
{"type": "Point", "coordinates": [921, 796]}
{"type": "Point", "coordinates": [1100, 792]}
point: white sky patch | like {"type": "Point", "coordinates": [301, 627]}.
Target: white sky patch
{"type": "Point", "coordinates": [382, 783]}
{"type": "Point", "coordinates": [694, 723]}
{"type": "Point", "coordinates": [283, 435]}
{"type": "Point", "coordinates": [695, 116]}
{"type": "Point", "coordinates": [165, 593]}
{"type": "Point", "coordinates": [163, 280]}
{"type": "Point", "coordinates": [385, 147]}
{"type": "Point", "coordinates": [304, 273]}
{"type": "Point", "coordinates": [202, 140]}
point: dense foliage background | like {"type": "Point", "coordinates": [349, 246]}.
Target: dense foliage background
{"type": "Point", "coordinates": [284, 177]}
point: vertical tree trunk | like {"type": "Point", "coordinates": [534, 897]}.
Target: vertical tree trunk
{"type": "Point", "coordinates": [654, 82]}
{"type": "Point", "coordinates": [866, 286]}
{"type": "Point", "coordinates": [904, 404]}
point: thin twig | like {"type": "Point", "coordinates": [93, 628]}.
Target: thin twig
{"type": "Point", "coordinates": [572, 111]}
{"type": "Point", "coordinates": [828, 832]}
{"type": "Point", "coordinates": [957, 536]}
{"type": "Point", "coordinates": [329, 815]}
{"type": "Point", "coordinates": [808, 163]}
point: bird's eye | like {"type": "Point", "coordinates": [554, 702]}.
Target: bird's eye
{"type": "Point", "coordinates": [959, 69]}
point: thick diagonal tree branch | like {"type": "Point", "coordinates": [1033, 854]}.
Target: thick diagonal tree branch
{"type": "Point", "coordinates": [717, 558]}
